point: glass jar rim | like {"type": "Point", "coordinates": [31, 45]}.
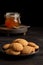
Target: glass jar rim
{"type": "Point", "coordinates": [12, 14]}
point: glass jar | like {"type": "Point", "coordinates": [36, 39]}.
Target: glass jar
{"type": "Point", "coordinates": [12, 20]}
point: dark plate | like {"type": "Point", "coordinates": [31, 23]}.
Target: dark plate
{"type": "Point", "coordinates": [20, 29]}
{"type": "Point", "coordinates": [36, 51]}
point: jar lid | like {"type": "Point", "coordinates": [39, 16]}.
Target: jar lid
{"type": "Point", "coordinates": [12, 14]}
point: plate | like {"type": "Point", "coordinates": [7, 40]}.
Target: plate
{"type": "Point", "coordinates": [33, 53]}
{"type": "Point", "coordinates": [20, 29]}
{"type": "Point", "coordinates": [23, 54]}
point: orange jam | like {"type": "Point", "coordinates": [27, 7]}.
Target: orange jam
{"type": "Point", "coordinates": [10, 22]}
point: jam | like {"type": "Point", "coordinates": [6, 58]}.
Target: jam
{"type": "Point", "coordinates": [12, 20]}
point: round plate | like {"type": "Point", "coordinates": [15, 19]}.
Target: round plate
{"type": "Point", "coordinates": [20, 29]}
{"type": "Point", "coordinates": [36, 51]}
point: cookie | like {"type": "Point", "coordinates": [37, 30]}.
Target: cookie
{"type": "Point", "coordinates": [6, 46]}
{"type": "Point", "coordinates": [28, 50]}
{"type": "Point", "coordinates": [11, 52]}
{"type": "Point", "coordinates": [33, 45]}
{"type": "Point", "coordinates": [17, 46]}
{"type": "Point", "coordinates": [21, 41]}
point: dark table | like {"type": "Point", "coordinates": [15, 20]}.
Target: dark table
{"type": "Point", "coordinates": [34, 34]}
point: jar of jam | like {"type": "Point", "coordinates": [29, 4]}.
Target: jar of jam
{"type": "Point", "coordinates": [12, 20]}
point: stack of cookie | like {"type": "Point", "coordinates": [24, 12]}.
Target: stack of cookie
{"type": "Point", "coordinates": [20, 46]}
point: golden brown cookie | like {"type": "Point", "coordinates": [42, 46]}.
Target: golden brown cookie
{"type": "Point", "coordinates": [17, 46]}
{"type": "Point", "coordinates": [33, 45]}
{"type": "Point", "coordinates": [11, 52]}
{"type": "Point", "coordinates": [6, 46]}
{"type": "Point", "coordinates": [21, 41]}
{"type": "Point", "coordinates": [28, 50]}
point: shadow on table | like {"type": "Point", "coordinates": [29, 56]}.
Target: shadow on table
{"type": "Point", "coordinates": [4, 56]}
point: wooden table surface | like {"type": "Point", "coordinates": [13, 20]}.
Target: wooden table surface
{"type": "Point", "coordinates": [34, 34]}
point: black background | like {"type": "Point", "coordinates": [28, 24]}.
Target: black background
{"type": "Point", "coordinates": [31, 11]}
